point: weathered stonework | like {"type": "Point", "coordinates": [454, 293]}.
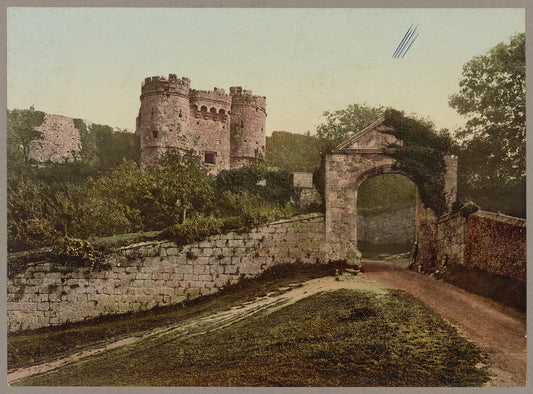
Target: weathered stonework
{"type": "Point", "coordinates": [348, 166]}
{"type": "Point", "coordinates": [60, 142]}
{"type": "Point", "coordinates": [487, 241]}
{"type": "Point", "coordinates": [224, 130]}
{"type": "Point", "coordinates": [396, 227]}
{"type": "Point", "coordinates": [151, 274]}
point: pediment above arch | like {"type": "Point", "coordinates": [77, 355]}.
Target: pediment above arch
{"type": "Point", "coordinates": [374, 137]}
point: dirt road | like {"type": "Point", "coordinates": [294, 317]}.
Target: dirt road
{"type": "Point", "coordinates": [499, 331]}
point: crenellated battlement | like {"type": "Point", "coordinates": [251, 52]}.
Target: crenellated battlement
{"type": "Point", "coordinates": [160, 84]}
{"type": "Point", "coordinates": [210, 98]}
{"type": "Point", "coordinates": [240, 96]}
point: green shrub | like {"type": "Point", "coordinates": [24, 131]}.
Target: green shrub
{"type": "Point", "coordinates": [247, 180]}
{"type": "Point", "coordinates": [77, 252]}
{"type": "Point", "coordinates": [31, 234]}
{"type": "Point", "coordinates": [240, 180]}
{"type": "Point", "coordinates": [279, 186]}
{"type": "Point", "coordinates": [196, 229]}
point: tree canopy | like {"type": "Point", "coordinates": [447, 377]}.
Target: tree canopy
{"type": "Point", "coordinates": [493, 152]}
{"type": "Point", "coordinates": [343, 123]}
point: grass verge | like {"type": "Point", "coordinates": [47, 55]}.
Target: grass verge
{"type": "Point", "coordinates": [45, 344]}
{"type": "Point", "coordinates": [339, 338]}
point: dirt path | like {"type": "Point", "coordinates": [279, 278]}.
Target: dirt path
{"type": "Point", "coordinates": [499, 331]}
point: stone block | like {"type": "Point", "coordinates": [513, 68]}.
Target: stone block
{"type": "Point", "coordinates": [207, 252]}
{"type": "Point", "coordinates": [192, 292]}
{"type": "Point", "coordinates": [190, 277]}
{"type": "Point", "coordinates": [183, 269]}
{"type": "Point", "coordinates": [216, 269]}
{"type": "Point", "coordinates": [201, 269]}
{"type": "Point", "coordinates": [177, 298]}
{"type": "Point", "coordinates": [225, 260]}
{"type": "Point", "coordinates": [221, 243]}
{"type": "Point", "coordinates": [138, 283]}
{"type": "Point", "coordinates": [230, 269]}
{"type": "Point", "coordinates": [205, 277]}
{"type": "Point", "coordinates": [206, 244]}
{"type": "Point", "coordinates": [172, 251]}
{"type": "Point", "coordinates": [236, 243]}
{"type": "Point", "coordinates": [257, 236]}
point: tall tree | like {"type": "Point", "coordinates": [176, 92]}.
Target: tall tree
{"type": "Point", "coordinates": [21, 132]}
{"type": "Point", "coordinates": [492, 96]}
{"type": "Point", "coordinates": [342, 124]}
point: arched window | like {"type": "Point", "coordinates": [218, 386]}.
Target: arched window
{"type": "Point", "coordinates": [194, 111]}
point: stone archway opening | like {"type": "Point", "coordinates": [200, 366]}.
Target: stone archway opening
{"type": "Point", "coordinates": [361, 157]}
{"type": "Point", "coordinates": [386, 218]}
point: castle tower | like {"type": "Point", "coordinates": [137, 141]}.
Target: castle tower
{"type": "Point", "coordinates": [163, 118]}
{"type": "Point", "coordinates": [209, 125]}
{"type": "Point", "coordinates": [223, 130]}
{"type": "Point", "coordinates": [248, 118]}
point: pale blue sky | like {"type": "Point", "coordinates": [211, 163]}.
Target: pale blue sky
{"type": "Point", "coordinates": [89, 62]}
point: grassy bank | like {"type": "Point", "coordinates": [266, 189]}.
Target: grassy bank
{"type": "Point", "coordinates": [45, 344]}
{"type": "Point", "coordinates": [340, 338]}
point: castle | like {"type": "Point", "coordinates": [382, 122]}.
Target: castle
{"type": "Point", "coordinates": [224, 130]}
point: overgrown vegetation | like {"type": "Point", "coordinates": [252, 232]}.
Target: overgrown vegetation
{"type": "Point", "coordinates": [60, 204]}
{"type": "Point", "coordinates": [340, 338]}
{"type": "Point", "coordinates": [421, 157]}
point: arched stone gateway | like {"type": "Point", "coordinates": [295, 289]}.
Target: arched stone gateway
{"type": "Point", "coordinates": [348, 166]}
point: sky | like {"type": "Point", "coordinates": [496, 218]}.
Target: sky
{"type": "Point", "coordinates": [89, 63]}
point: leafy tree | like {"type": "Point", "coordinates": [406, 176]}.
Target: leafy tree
{"type": "Point", "coordinates": [277, 186]}
{"type": "Point", "coordinates": [293, 152]}
{"type": "Point", "coordinates": [21, 126]}
{"type": "Point", "coordinates": [493, 152]}
{"type": "Point", "coordinates": [103, 148]}
{"type": "Point", "coordinates": [342, 124]}
{"type": "Point", "coordinates": [177, 187]}
{"type": "Point", "coordinates": [21, 131]}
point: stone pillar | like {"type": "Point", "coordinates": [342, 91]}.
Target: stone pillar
{"type": "Point", "coordinates": [450, 180]}
{"type": "Point", "coordinates": [341, 211]}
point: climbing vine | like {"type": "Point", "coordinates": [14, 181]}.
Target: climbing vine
{"type": "Point", "coordinates": [421, 157]}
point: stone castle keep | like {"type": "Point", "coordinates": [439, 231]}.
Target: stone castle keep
{"type": "Point", "coordinates": [224, 130]}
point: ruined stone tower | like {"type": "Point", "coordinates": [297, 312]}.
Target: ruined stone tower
{"type": "Point", "coordinates": [225, 131]}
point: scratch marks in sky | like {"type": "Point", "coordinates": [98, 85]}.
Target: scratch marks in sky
{"type": "Point", "coordinates": [408, 39]}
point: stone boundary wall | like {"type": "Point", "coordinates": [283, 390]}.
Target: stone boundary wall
{"type": "Point", "coordinates": [488, 241]}
{"type": "Point", "coordinates": [451, 238]}
{"type": "Point", "coordinates": [151, 274]}
{"type": "Point", "coordinates": [497, 243]}
{"type": "Point", "coordinates": [388, 227]}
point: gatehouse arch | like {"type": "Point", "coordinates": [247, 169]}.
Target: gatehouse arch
{"type": "Point", "coordinates": [348, 166]}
